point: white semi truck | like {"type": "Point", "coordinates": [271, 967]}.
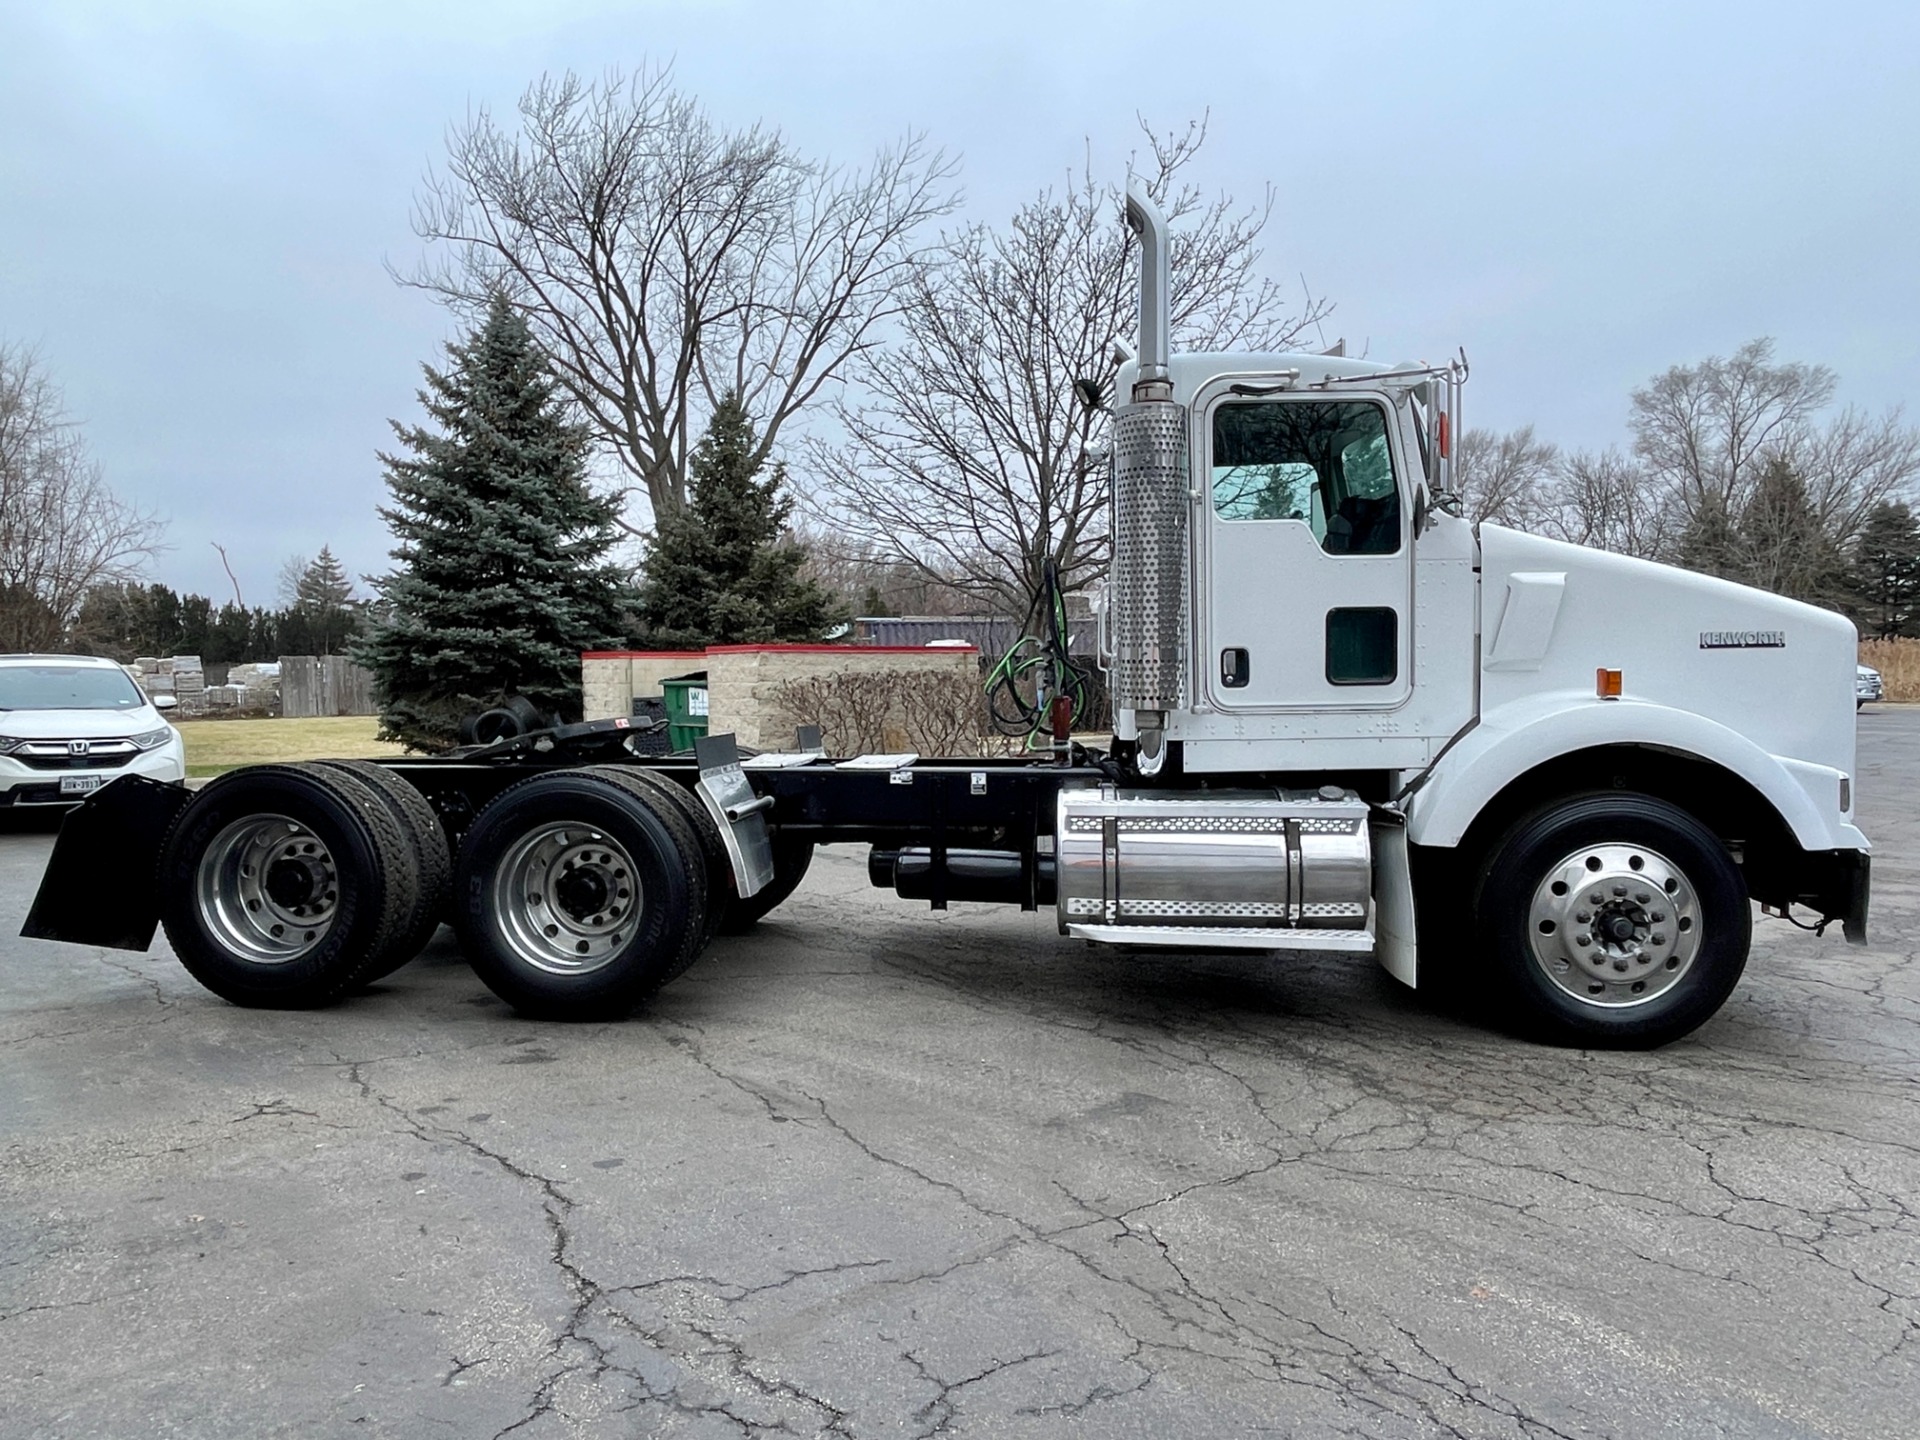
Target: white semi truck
{"type": "Point", "coordinates": [1547, 778]}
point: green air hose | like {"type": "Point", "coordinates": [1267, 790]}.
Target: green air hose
{"type": "Point", "coordinates": [1036, 668]}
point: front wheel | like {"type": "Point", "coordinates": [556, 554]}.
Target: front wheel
{"type": "Point", "coordinates": [1612, 919]}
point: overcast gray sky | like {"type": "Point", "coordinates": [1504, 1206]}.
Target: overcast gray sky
{"type": "Point", "coordinates": [196, 200]}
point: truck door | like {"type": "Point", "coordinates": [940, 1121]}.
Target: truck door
{"type": "Point", "coordinates": [1305, 565]}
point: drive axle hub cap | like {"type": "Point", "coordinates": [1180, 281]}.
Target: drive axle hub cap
{"type": "Point", "coordinates": [267, 889]}
{"type": "Point", "coordinates": [1614, 925]}
{"type": "Point", "coordinates": [565, 898]}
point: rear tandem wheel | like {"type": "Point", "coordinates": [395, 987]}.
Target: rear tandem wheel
{"type": "Point", "coordinates": [427, 838]}
{"type": "Point", "coordinates": [577, 895]}
{"type": "Point", "coordinates": [286, 885]}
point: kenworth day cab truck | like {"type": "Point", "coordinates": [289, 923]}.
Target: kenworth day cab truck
{"type": "Point", "coordinates": [1543, 777]}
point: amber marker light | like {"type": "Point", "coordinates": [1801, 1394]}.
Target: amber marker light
{"type": "Point", "coordinates": [1606, 684]}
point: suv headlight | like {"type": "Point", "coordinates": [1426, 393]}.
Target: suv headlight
{"type": "Point", "coordinates": [153, 739]}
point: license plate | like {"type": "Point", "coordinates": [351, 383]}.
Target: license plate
{"type": "Point", "coordinates": [79, 784]}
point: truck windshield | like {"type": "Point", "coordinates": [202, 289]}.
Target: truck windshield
{"type": "Point", "coordinates": [1323, 462]}
{"type": "Point", "coordinates": [67, 687]}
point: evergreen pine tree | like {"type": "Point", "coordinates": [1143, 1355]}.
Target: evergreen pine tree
{"type": "Point", "coordinates": [324, 584]}
{"type": "Point", "coordinates": [1783, 546]}
{"type": "Point", "coordinates": [721, 570]}
{"type": "Point", "coordinates": [1883, 582]}
{"type": "Point", "coordinates": [503, 575]}
{"type": "Point", "coordinates": [1709, 543]}
{"type": "Point", "coordinates": [323, 599]}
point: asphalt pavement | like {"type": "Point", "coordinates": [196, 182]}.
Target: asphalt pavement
{"type": "Point", "coordinates": [874, 1171]}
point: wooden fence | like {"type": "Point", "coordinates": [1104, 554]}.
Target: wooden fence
{"type": "Point", "coordinates": [324, 685]}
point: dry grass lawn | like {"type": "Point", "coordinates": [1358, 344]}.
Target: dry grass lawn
{"type": "Point", "coordinates": [1898, 662]}
{"type": "Point", "coordinates": [216, 746]}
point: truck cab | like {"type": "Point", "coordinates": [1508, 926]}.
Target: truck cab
{"type": "Point", "coordinates": [1540, 730]}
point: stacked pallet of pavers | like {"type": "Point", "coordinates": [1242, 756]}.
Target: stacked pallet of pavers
{"type": "Point", "coordinates": [189, 683]}
{"type": "Point", "coordinates": [258, 686]}
{"type": "Point", "coordinates": [154, 676]}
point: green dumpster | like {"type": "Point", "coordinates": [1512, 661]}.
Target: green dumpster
{"type": "Point", "coordinates": [686, 701]}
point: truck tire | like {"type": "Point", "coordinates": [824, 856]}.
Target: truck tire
{"type": "Point", "coordinates": [427, 839]}
{"type": "Point", "coordinates": [1612, 919]}
{"type": "Point", "coordinates": [285, 885]}
{"type": "Point", "coordinates": [577, 896]}
{"type": "Point", "coordinates": [790, 861]}
{"type": "Point", "coordinates": [669, 800]}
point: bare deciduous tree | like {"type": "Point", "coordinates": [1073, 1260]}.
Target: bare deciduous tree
{"type": "Point", "coordinates": [1505, 477]}
{"type": "Point", "coordinates": [1706, 439]}
{"type": "Point", "coordinates": [870, 582]}
{"type": "Point", "coordinates": [663, 261]}
{"type": "Point", "coordinates": [1707, 429]}
{"type": "Point", "coordinates": [966, 454]}
{"type": "Point", "coordinates": [1603, 499]}
{"type": "Point", "coordinates": [1853, 465]}
{"type": "Point", "coordinates": [62, 530]}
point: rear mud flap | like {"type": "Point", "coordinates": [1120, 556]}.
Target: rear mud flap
{"type": "Point", "coordinates": [99, 887]}
{"type": "Point", "coordinates": [1393, 925]}
{"type": "Point", "coordinates": [740, 814]}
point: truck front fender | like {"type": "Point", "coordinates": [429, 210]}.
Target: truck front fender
{"type": "Point", "coordinates": [1513, 739]}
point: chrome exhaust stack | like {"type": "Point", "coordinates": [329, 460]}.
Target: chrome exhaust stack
{"type": "Point", "coordinates": [1156, 303]}
{"type": "Point", "coordinates": [1149, 577]}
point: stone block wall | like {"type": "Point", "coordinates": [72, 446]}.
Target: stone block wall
{"type": "Point", "coordinates": [610, 679]}
{"type": "Point", "coordinates": [751, 688]}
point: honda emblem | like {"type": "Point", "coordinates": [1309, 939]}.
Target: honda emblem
{"type": "Point", "coordinates": [78, 747]}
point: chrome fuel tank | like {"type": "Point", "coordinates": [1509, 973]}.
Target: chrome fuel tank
{"type": "Point", "coordinates": [1244, 858]}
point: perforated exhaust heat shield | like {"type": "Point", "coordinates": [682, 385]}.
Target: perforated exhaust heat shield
{"type": "Point", "coordinates": [1149, 582]}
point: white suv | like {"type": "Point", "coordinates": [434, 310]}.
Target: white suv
{"type": "Point", "coordinates": [70, 723]}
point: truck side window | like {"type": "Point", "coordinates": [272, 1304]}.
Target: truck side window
{"type": "Point", "coordinates": [1325, 463]}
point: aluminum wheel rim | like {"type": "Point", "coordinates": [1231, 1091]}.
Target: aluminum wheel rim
{"type": "Point", "coordinates": [565, 898]}
{"type": "Point", "coordinates": [268, 889]}
{"type": "Point", "coordinates": [1614, 926]}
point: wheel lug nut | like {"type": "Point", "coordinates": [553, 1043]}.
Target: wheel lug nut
{"type": "Point", "coordinates": [1658, 916]}
{"type": "Point", "coordinates": [1582, 917]}
{"type": "Point", "coordinates": [1659, 939]}
{"type": "Point", "coordinates": [1643, 897]}
{"type": "Point", "coordinates": [1620, 890]}
{"type": "Point", "coordinates": [1583, 939]}
{"type": "Point", "coordinates": [1620, 965]}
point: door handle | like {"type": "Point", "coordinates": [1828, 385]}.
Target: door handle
{"type": "Point", "coordinates": [1234, 668]}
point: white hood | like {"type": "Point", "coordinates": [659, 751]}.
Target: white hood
{"type": "Point", "coordinates": [1778, 672]}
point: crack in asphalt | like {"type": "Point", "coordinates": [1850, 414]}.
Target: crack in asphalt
{"type": "Point", "coordinates": [1290, 1094]}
